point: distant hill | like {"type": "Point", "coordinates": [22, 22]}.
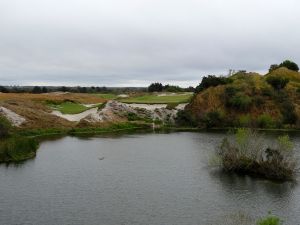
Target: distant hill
{"type": "Point", "coordinates": [248, 100]}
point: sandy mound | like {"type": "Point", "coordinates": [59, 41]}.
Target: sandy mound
{"type": "Point", "coordinates": [14, 118]}
{"type": "Point", "coordinates": [115, 111]}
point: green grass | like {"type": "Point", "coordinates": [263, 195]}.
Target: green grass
{"type": "Point", "coordinates": [16, 149]}
{"type": "Point", "coordinates": [155, 99]}
{"type": "Point", "coordinates": [108, 96]}
{"type": "Point", "coordinates": [113, 128]}
{"type": "Point", "coordinates": [71, 107]}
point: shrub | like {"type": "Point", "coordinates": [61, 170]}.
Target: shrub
{"type": "Point", "coordinates": [230, 91]}
{"type": "Point", "coordinates": [248, 153]}
{"type": "Point", "coordinates": [265, 121]}
{"type": "Point", "coordinates": [290, 65]}
{"type": "Point", "coordinates": [277, 82]}
{"type": "Point", "coordinates": [240, 102]}
{"type": "Point", "coordinates": [5, 127]}
{"type": "Point", "coordinates": [289, 115]}
{"type": "Point", "coordinates": [211, 81]}
{"type": "Point", "coordinates": [171, 106]}
{"type": "Point", "coordinates": [185, 118]}
{"type": "Point", "coordinates": [244, 121]}
{"type": "Point", "coordinates": [273, 67]}
{"type": "Point", "coordinates": [267, 92]}
{"type": "Point", "coordinates": [258, 101]}
{"type": "Point", "coordinates": [132, 116]}
{"type": "Point", "coordinates": [213, 119]}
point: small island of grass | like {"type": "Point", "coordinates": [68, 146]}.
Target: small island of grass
{"type": "Point", "coordinates": [248, 152]}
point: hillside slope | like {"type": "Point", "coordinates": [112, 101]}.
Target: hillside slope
{"type": "Point", "coordinates": [248, 100]}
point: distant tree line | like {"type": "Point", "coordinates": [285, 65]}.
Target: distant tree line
{"type": "Point", "coordinates": [158, 87]}
{"type": "Point", "coordinates": [78, 89]}
{"type": "Point", "coordinates": [211, 81]}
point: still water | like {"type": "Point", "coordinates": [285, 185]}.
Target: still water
{"type": "Point", "coordinates": [146, 179]}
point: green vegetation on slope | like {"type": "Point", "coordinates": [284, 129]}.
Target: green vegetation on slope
{"type": "Point", "coordinates": [248, 100]}
{"type": "Point", "coordinates": [159, 99]}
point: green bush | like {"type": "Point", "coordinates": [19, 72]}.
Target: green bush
{"type": "Point", "coordinates": [290, 65]}
{"type": "Point", "coordinates": [240, 102]}
{"type": "Point", "coordinates": [213, 119]}
{"type": "Point", "coordinates": [244, 121]}
{"type": "Point", "coordinates": [289, 115]}
{"type": "Point", "coordinates": [265, 121]}
{"type": "Point", "coordinates": [258, 101]}
{"type": "Point", "coordinates": [277, 82]}
{"type": "Point", "coordinates": [171, 105]}
{"type": "Point", "coordinates": [267, 92]}
{"type": "Point", "coordinates": [5, 127]}
{"type": "Point", "coordinates": [211, 81]}
{"type": "Point", "coordinates": [133, 117]}
{"type": "Point", "coordinates": [185, 118]}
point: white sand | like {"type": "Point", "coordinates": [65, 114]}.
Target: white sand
{"type": "Point", "coordinates": [14, 118]}
{"type": "Point", "coordinates": [75, 117]}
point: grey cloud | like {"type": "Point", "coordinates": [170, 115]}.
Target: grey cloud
{"type": "Point", "coordinates": [135, 42]}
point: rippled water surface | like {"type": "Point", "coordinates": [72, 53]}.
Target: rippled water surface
{"type": "Point", "coordinates": [147, 179]}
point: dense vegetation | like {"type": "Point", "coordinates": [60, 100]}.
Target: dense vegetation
{"type": "Point", "coordinates": [287, 64]}
{"type": "Point", "coordinates": [14, 148]}
{"type": "Point", "coordinates": [246, 100]}
{"type": "Point", "coordinates": [4, 127]}
{"type": "Point", "coordinates": [249, 153]}
{"type": "Point", "coordinates": [211, 81]}
{"type": "Point", "coordinates": [158, 87]}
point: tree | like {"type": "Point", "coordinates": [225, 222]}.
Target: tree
{"type": "Point", "coordinates": [3, 89]}
{"type": "Point", "coordinates": [158, 87]}
{"type": "Point", "coordinates": [44, 90]}
{"type": "Point", "coordinates": [211, 81]}
{"type": "Point", "coordinates": [290, 65]}
{"type": "Point", "coordinates": [36, 90]}
{"type": "Point", "coordinates": [277, 82]}
{"type": "Point", "coordinates": [273, 67]}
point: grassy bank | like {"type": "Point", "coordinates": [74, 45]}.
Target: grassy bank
{"type": "Point", "coordinates": [109, 128]}
{"type": "Point", "coordinates": [16, 149]}
{"type": "Point", "coordinates": [20, 145]}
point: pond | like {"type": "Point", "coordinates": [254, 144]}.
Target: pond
{"type": "Point", "coordinates": [145, 179]}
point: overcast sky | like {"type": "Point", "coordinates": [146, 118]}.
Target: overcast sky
{"type": "Point", "coordinates": [136, 42]}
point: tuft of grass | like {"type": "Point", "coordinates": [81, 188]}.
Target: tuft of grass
{"type": "Point", "coordinates": [269, 220]}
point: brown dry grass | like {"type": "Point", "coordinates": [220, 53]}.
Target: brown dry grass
{"type": "Point", "coordinates": [58, 97]}
{"type": "Point", "coordinates": [36, 114]}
